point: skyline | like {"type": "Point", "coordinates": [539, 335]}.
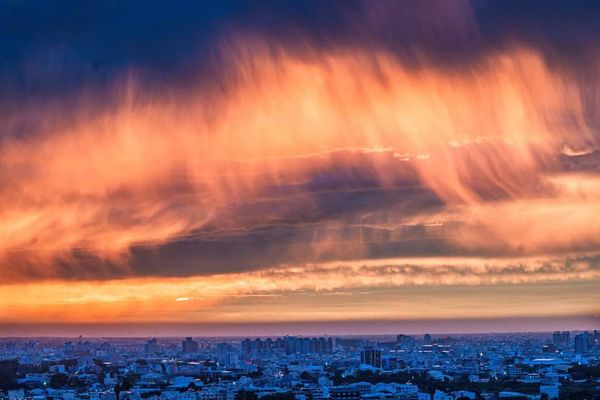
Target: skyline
{"type": "Point", "coordinates": [238, 164]}
{"type": "Point", "coordinates": [304, 329]}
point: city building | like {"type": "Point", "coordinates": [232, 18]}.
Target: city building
{"type": "Point", "coordinates": [189, 345]}
{"type": "Point", "coordinates": [371, 356]}
{"type": "Point", "coordinates": [151, 346]}
{"type": "Point", "coordinates": [344, 393]}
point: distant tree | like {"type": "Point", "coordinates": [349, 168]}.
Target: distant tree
{"type": "Point", "coordinates": [128, 381]}
{"type": "Point", "coordinates": [579, 395]}
{"type": "Point", "coordinates": [42, 368]}
{"type": "Point", "coordinates": [256, 374]}
{"type": "Point", "coordinates": [69, 362]}
{"type": "Point", "coordinates": [8, 373]}
{"type": "Point", "coordinates": [75, 382]}
{"type": "Point", "coordinates": [246, 395]}
{"type": "Point", "coordinates": [306, 376]}
{"type": "Point", "coordinates": [146, 395]}
{"type": "Point", "coordinates": [58, 381]}
{"type": "Point", "coordinates": [337, 378]}
{"type": "Point", "coordinates": [585, 372]}
{"type": "Point", "coordinates": [126, 384]}
{"type": "Point", "coordinates": [279, 396]}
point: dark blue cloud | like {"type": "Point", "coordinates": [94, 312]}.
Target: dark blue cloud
{"type": "Point", "coordinates": [52, 48]}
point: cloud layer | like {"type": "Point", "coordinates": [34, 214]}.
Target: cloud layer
{"type": "Point", "coordinates": [335, 156]}
{"type": "Point", "coordinates": [263, 148]}
{"type": "Point", "coordinates": [383, 289]}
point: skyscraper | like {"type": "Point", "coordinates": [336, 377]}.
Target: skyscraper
{"type": "Point", "coordinates": [557, 338]}
{"type": "Point", "coordinates": [581, 343]}
{"type": "Point", "coordinates": [371, 356]}
{"type": "Point", "coordinates": [402, 339]}
{"type": "Point", "coordinates": [189, 345]}
{"type": "Point", "coordinates": [561, 338]}
{"type": "Point", "coordinates": [246, 346]}
{"type": "Point", "coordinates": [151, 346]}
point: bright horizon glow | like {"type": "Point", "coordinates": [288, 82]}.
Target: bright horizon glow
{"type": "Point", "coordinates": [335, 328]}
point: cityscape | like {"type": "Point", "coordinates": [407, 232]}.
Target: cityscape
{"type": "Point", "coordinates": [532, 366]}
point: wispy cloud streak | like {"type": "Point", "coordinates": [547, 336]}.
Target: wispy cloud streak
{"type": "Point", "coordinates": [286, 134]}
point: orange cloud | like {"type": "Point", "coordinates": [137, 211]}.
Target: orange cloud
{"type": "Point", "coordinates": [155, 170]}
{"type": "Point", "coordinates": [286, 293]}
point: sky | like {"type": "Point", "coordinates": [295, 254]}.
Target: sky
{"type": "Point", "coordinates": [298, 167]}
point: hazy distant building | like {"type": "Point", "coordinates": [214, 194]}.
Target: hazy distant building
{"type": "Point", "coordinates": [427, 338]}
{"type": "Point", "coordinates": [561, 338]}
{"type": "Point", "coordinates": [557, 338]}
{"type": "Point", "coordinates": [371, 356]}
{"type": "Point", "coordinates": [189, 345]}
{"type": "Point", "coordinates": [288, 344]}
{"type": "Point", "coordinates": [403, 339]}
{"type": "Point", "coordinates": [256, 346]}
{"type": "Point", "coordinates": [246, 346]}
{"type": "Point", "coordinates": [151, 346]}
{"type": "Point", "coordinates": [581, 343]}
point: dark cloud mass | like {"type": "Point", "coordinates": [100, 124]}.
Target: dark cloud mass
{"type": "Point", "coordinates": [51, 48]}
{"type": "Point", "coordinates": [350, 203]}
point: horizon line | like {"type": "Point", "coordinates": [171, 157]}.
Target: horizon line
{"type": "Point", "coordinates": [453, 326]}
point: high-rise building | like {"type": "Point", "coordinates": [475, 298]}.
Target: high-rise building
{"type": "Point", "coordinates": [257, 346]}
{"type": "Point", "coordinates": [268, 345]}
{"type": "Point", "coordinates": [189, 345]}
{"type": "Point", "coordinates": [561, 338]}
{"type": "Point", "coordinates": [246, 346]}
{"type": "Point", "coordinates": [151, 346]}
{"type": "Point", "coordinates": [557, 338]}
{"type": "Point", "coordinates": [427, 338]}
{"type": "Point", "coordinates": [403, 339]}
{"type": "Point", "coordinates": [581, 343]}
{"type": "Point", "coordinates": [371, 356]}
{"type": "Point", "coordinates": [68, 348]}
{"type": "Point", "coordinates": [288, 344]}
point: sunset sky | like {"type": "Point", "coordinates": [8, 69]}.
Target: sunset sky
{"type": "Point", "coordinates": [183, 167]}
